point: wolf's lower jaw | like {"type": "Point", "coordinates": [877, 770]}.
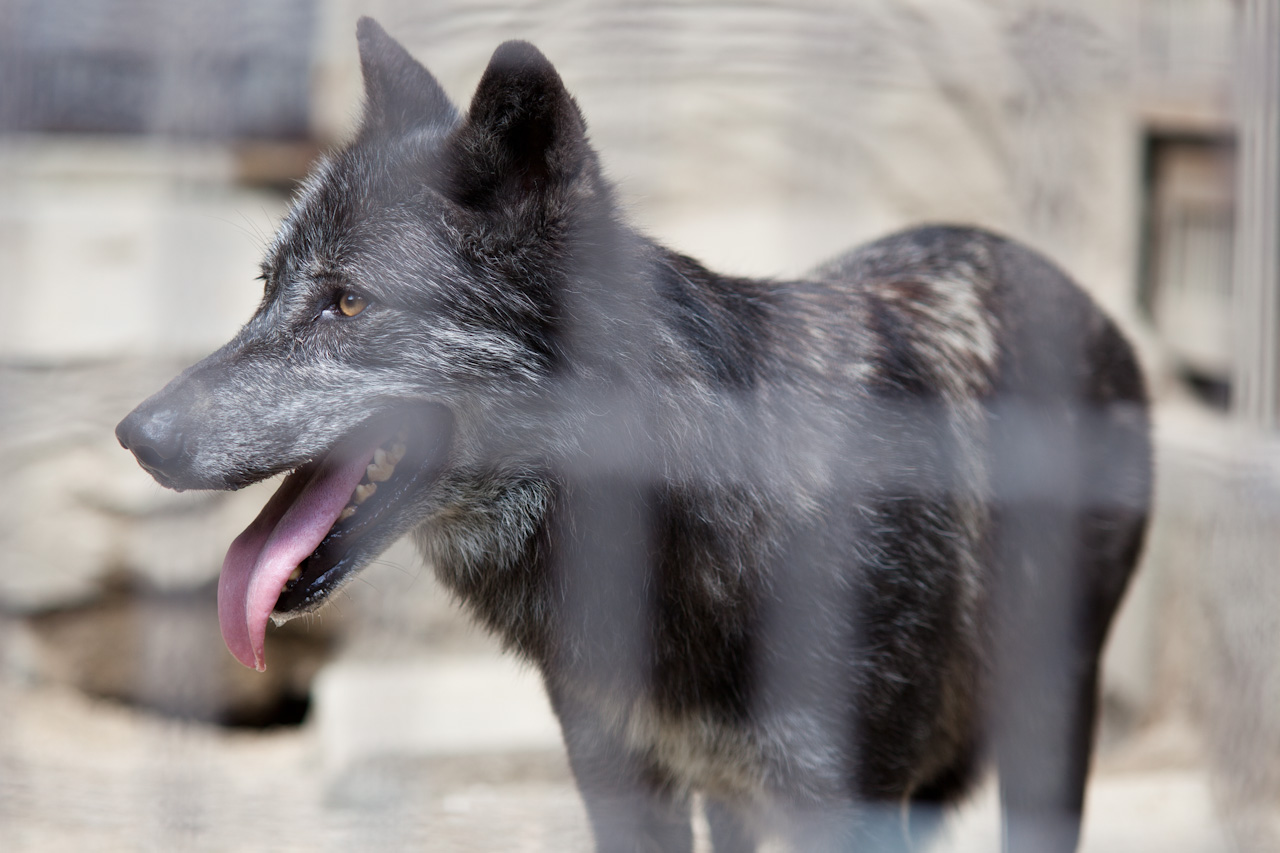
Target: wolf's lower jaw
{"type": "Point", "coordinates": [325, 522]}
{"type": "Point", "coordinates": [378, 471]}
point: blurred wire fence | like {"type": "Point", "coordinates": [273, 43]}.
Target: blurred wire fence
{"type": "Point", "coordinates": [147, 150]}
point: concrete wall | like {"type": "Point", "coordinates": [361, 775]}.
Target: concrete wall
{"type": "Point", "coordinates": [763, 138]}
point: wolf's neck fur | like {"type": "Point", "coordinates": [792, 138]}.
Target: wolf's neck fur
{"type": "Point", "coordinates": [669, 320]}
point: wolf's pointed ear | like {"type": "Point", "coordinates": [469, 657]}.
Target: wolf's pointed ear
{"type": "Point", "coordinates": [523, 134]}
{"type": "Point", "coordinates": [399, 93]}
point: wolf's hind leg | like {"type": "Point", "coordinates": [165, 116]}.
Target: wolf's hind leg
{"type": "Point", "coordinates": [1043, 752]}
{"type": "Point", "coordinates": [1065, 560]}
{"type": "Point", "coordinates": [1063, 580]}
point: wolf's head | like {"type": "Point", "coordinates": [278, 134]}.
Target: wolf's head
{"type": "Point", "coordinates": [414, 316]}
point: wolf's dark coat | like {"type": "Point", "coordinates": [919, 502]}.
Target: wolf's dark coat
{"type": "Point", "coordinates": [809, 547]}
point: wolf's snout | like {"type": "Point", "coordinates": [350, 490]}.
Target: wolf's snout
{"type": "Point", "coordinates": [155, 438]}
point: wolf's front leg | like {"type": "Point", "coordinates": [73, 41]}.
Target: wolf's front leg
{"type": "Point", "coordinates": [729, 832]}
{"type": "Point", "coordinates": [632, 805]}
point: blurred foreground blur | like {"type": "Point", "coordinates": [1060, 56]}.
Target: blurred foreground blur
{"type": "Point", "coordinates": [148, 148]}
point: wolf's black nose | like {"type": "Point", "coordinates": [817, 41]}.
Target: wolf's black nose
{"type": "Point", "coordinates": [154, 438]}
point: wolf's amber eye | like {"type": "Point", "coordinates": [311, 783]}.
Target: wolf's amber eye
{"type": "Point", "coordinates": [351, 304]}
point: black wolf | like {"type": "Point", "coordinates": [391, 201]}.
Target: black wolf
{"type": "Point", "coordinates": [808, 549]}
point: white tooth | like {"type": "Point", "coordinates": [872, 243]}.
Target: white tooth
{"type": "Point", "coordinates": [364, 491]}
{"type": "Point", "coordinates": [394, 453]}
{"type": "Point", "coordinates": [346, 513]}
{"type": "Point", "coordinates": [382, 468]}
{"type": "Point", "coordinates": [296, 573]}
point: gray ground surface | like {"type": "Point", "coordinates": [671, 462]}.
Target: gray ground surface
{"type": "Point", "coordinates": [77, 774]}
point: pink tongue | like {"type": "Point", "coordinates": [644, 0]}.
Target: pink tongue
{"type": "Point", "coordinates": [286, 532]}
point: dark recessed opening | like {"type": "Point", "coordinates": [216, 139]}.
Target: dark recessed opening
{"type": "Point", "coordinates": [1211, 390]}
{"type": "Point", "coordinates": [161, 651]}
{"type": "Point", "coordinates": [290, 709]}
{"type": "Point", "coordinates": [1187, 253]}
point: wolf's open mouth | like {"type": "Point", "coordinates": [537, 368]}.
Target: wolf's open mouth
{"type": "Point", "coordinates": [327, 519]}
